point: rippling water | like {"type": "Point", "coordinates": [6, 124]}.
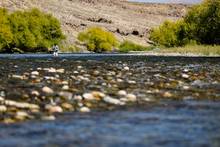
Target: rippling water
{"type": "Point", "coordinates": [169, 1]}
{"type": "Point", "coordinates": [171, 123]}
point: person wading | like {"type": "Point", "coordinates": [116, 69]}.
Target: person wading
{"type": "Point", "coordinates": [55, 49]}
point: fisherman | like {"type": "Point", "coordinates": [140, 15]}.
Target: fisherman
{"type": "Point", "coordinates": [55, 49]}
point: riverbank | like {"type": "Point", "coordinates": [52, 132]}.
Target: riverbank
{"type": "Point", "coordinates": [40, 86]}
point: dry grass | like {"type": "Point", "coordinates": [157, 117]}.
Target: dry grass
{"type": "Point", "coordinates": [196, 49]}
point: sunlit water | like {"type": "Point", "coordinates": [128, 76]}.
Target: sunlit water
{"type": "Point", "coordinates": [191, 123]}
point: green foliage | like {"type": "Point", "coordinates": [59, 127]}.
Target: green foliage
{"type": "Point", "coordinates": [127, 46]}
{"type": "Point", "coordinates": [98, 40]}
{"type": "Point", "coordinates": [6, 36]}
{"type": "Point", "coordinates": [205, 22]}
{"type": "Point", "coordinates": [32, 31]}
{"type": "Point", "coordinates": [201, 25]}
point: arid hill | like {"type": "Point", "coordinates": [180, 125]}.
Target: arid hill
{"type": "Point", "coordinates": [127, 20]}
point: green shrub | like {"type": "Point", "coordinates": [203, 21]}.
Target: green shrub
{"type": "Point", "coordinates": [201, 25]}
{"type": "Point", "coordinates": [32, 31]}
{"type": "Point", "coordinates": [98, 40]}
{"type": "Point", "coordinates": [205, 22]}
{"type": "Point", "coordinates": [127, 46]}
{"type": "Point", "coordinates": [6, 36]}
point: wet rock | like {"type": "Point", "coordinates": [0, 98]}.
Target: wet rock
{"type": "Point", "coordinates": [98, 95]}
{"type": "Point", "coordinates": [18, 77]}
{"type": "Point", "coordinates": [78, 97]}
{"type": "Point", "coordinates": [67, 106]}
{"type": "Point", "coordinates": [3, 108]}
{"type": "Point", "coordinates": [60, 70]}
{"type": "Point", "coordinates": [53, 109]}
{"type": "Point", "coordinates": [185, 76]}
{"type": "Point", "coordinates": [48, 118]}
{"type": "Point", "coordinates": [167, 94]}
{"type": "Point", "coordinates": [66, 95]}
{"type": "Point", "coordinates": [35, 73]}
{"type": "Point", "coordinates": [126, 68]}
{"type": "Point", "coordinates": [131, 97]}
{"type": "Point", "coordinates": [21, 105]}
{"type": "Point", "coordinates": [84, 109]}
{"type": "Point", "coordinates": [21, 115]}
{"type": "Point", "coordinates": [35, 93]}
{"type": "Point", "coordinates": [111, 100]}
{"type": "Point", "coordinates": [88, 96]}
{"type": "Point", "coordinates": [47, 90]}
{"type": "Point", "coordinates": [65, 87]}
{"type": "Point", "coordinates": [122, 93]}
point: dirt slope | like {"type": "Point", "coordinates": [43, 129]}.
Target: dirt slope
{"type": "Point", "coordinates": [127, 20]}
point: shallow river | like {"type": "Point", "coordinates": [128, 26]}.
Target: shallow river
{"type": "Point", "coordinates": [167, 122]}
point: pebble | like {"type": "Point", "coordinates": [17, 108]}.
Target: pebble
{"type": "Point", "coordinates": [35, 93]}
{"type": "Point", "coordinates": [17, 77]}
{"type": "Point", "coordinates": [185, 76]}
{"type": "Point", "coordinates": [1, 99]}
{"type": "Point", "coordinates": [167, 94]}
{"type": "Point", "coordinates": [3, 108]}
{"type": "Point", "coordinates": [78, 97]}
{"type": "Point", "coordinates": [35, 73]}
{"type": "Point", "coordinates": [88, 96]}
{"type": "Point", "coordinates": [47, 90]}
{"type": "Point", "coordinates": [65, 87]}
{"type": "Point", "coordinates": [126, 68]}
{"type": "Point", "coordinates": [110, 100]}
{"type": "Point", "coordinates": [66, 95]}
{"type": "Point", "coordinates": [53, 109]}
{"type": "Point", "coordinates": [21, 115]}
{"type": "Point", "coordinates": [131, 97]}
{"type": "Point", "coordinates": [48, 118]}
{"type": "Point", "coordinates": [60, 70]}
{"type": "Point", "coordinates": [84, 109]}
{"type": "Point", "coordinates": [21, 105]}
{"type": "Point", "coordinates": [67, 106]}
{"type": "Point", "coordinates": [98, 94]}
{"type": "Point", "coordinates": [122, 93]}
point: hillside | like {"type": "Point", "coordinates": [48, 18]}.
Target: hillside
{"type": "Point", "coordinates": [127, 20]}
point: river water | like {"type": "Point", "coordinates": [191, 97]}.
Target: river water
{"type": "Point", "coordinates": [168, 122]}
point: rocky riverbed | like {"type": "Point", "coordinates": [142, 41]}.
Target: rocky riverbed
{"type": "Point", "coordinates": [40, 87]}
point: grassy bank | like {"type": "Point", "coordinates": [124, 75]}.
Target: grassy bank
{"type": "Point", "coordinates": [196, 49]}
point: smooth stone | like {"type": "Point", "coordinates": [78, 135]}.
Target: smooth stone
{"type": "Point", "coordinates": [21, 105]}
{"type": "Point", "coordinates": [167, 94]}
{"type": "Point", "coordinates": [18, 77]}
{"type": "Point", "coordinates": [122, 93]}
{"type": "Point", "coordinates": [126, 68]}
{"type": "Point", "coordinates": [85, 110]}
{"type": "Point", "coordinates": [3, 108]}
{"type": "Point", "coordinates": [60, 70]}
{"type": "Point", "coordinates": [35, 93]}
{"type": "Point", "coordinates": [131, 97]}
{"type": "Point", "coordinates": [67, 106]}
{"type": "Point", "coordinates": [66, 95]}
{"type": "Point", "coordinates": [110, 100]}
{"type": "Point", "coordinates": [185, 76]}
{"type": "Point", "coordinates": [36, 73]}
{"type": "Point", "coordinates": [78, 97]}
{"type": "Point", "coordinates": [88, 96]}
{"type": "Point", "coordinates": [1, 99]}
{"type": "Point", "coordinates": [53, 109]}
{"type": "Point", "coordinates": [65, 87]}
{"type": "Point", "coordinates": [47, 90]}
{"type": "Point", "coordinates": [21, 114]}
{"type": "Point", "coordinates": [48, 118]}
{"type": "Point", "coordinates": [98, 94]}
